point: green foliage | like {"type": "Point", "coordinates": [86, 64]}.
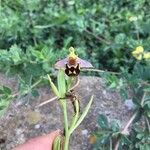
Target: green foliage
{"type": "Point", "coordinates": [107, 131]}
{"type": "Point", "coordinates": [5, 97]}
{"type": "Point", "coordinates": [142, 138]}
{"type": "Point", "coordinates": [32, 63]}
{"type": "Point", "coordinates": [105, 32]}
{"type": "Point", "coordinates": [135, 134]}
{"type": "Point", "coordinates": [102, 121]}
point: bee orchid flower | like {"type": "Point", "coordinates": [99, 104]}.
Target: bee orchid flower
{"type": "Point", "coordinates": [72, 64]}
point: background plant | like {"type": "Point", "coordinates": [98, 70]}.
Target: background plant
{"type": "Point", "coordinates": [107, 31]}
{"type": "Point", "coordinates": [136, 133]}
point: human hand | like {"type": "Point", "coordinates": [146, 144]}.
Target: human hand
{"type": "Point", "coordinates": [39, 143]}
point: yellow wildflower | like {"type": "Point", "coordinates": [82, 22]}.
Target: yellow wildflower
{"type": "Point", "coordinates": [146, 55]}
{"type": "Point", "coordinates": [138, 52]}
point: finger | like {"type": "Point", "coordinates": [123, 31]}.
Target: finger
{"type": "Point", "coordinates": [40, 143]}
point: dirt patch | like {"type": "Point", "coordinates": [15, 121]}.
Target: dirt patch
{"type": "Point", "coordinates": [22, 121]}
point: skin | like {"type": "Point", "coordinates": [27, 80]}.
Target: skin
{"type": "Point", "coordinates": [39, 143]}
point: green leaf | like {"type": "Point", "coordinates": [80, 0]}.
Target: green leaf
{"type": "Point", "coordinates": [120, 38]}
{"type": "Point", "coordinates": [148, 114]}
{"type": "Point", "coordinates": [147, 89]}
{"type": "Point", "coordinates": [69, 82]}
{"type": "Point", "coordinates": [123, 93]}
{"type": "Point", "coordinates": [76, 115]}
{"type": "Point", "coordinates": [15, 52]}
{"type": "Point", "coordinates": [3, 104]}
{"type": "Point", "coordinates": [115, 125]}
{"type": "Point", "coordinates": [1, 90]}
{"type": "Point", "coordinates": [46, 67]}
{"type": "Point", "coordinates": [24, 87]}
{"type": "Point", "coordinates": [138, 116]}
{"type": "Point", "coordinates": [37, 54]}
{"type": "Point", "coordinates": [61, 83]}
{"type": "Point", "coordinates": [83, 115]}
{"type": "Point", "coordinates": [54, 88]}
{"type": "Point", "coordinates": [103, 121]}
{"type": "Point", "coordinates": [35, 93]}
{"type": "Point", "coordinates": [2, 111]}
{"type": "Point", "coordinates": [57, 143]}
{"type": "Point", "coordinates": [7, 90]}
{"type": "Point", "coordinates": [140, 135]}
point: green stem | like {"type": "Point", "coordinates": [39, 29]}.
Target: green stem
{"type": "Point", "coordinates": [67, 136]}
{"type": "Point", "coordinates": [147, 124]}
{"type": "Point", "coordinates": [75, 118]}
{"type": "Point", "coordinates": [65, 116]}
{"type": "Point", "coordinates": [66, 126]}
{"type": "Point", "coordinates": [66, 144]}
{"type": "Point", "coordinates": [143, 99]}
{"type": "Point", "coordinates": [36, 83]}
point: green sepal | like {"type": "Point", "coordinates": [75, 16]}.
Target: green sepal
{"type": "Point", "coordinates": [57, 143]}
{"type": "Point", "coordinates": [61, 83]}
{"type": "Point", "coordinates": [76, 116]}
{"type": "Point", "coordinates": [54, 88]}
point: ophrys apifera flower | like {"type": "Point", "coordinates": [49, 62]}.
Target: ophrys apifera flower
{"type": "Point", "coordinates": [72, 64]}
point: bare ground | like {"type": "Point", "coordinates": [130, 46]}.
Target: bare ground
{"type": "Point", "coordinates": [23, 121]}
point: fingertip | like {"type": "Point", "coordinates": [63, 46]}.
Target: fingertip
{"type": "Point", "coordinates": [55, 133]}
{"type": "Point", "coordinates": [58, 131]}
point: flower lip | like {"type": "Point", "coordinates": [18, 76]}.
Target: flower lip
{"type": "Point", "coordinates": [72, 61]}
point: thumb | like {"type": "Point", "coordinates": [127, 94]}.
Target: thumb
{"type": "Point", "coordinates": [39, 143]}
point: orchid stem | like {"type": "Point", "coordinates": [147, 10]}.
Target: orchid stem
{"type": "Point", "coordinates": [65, 117]}
{"type": "Point", "coordinates": [67, 134]}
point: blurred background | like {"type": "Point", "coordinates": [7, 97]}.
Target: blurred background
{"type": "Point", "coordinates": [36, 33]}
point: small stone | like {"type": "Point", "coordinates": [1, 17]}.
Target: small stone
{"type": "Point", "coordinates": [84, 132]}
{"type": "Point", "coordinates": [19, 131]}
{"type": "Point", "coordinates": [37, 126]}
{"type": "Point", "coordinates": [129, 104]}
{"type": "Point", "coordinates": [108, 112]}
{"type": "Point", "coordinates": [104, 92]}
